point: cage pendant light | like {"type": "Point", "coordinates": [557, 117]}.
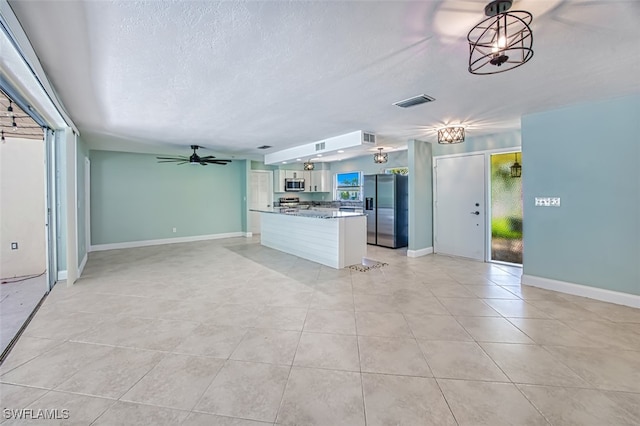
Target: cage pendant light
{"type": "Point", "coordinates": [308, 165]}
{"type": "Point", "coordinates": [450, 135]}
{"type": "Point", "coordinates": [380, 157]}
{"type": "Point", "coordinates": [501, 42]}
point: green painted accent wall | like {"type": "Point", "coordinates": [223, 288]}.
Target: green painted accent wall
{"type": "Point", "coordinates": [420, 160]}
{"type": "Point", "coordinates": [135, 198]}
{"type": "Point", "coordinates": [588, 155]}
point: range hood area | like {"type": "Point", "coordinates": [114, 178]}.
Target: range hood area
{"type": "Point", "coordinates": [325, 146]}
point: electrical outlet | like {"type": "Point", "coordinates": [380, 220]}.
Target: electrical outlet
{"type": "Point", "coordinates": [14, 246]}
{"type": "Point", "coordinates": [174, 230]}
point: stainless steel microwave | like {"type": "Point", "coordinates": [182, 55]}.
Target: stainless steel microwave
{"type": "Point", "coordinates": [295, 184]}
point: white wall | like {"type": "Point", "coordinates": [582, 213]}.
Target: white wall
{"type": "Point", "coordinates": [22, 207]}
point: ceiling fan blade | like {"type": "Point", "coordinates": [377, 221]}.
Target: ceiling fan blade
{"type": "Point", "coordinates": [208, 157]}
{"type": "Point", "coordinates": [170, 161]}
{"type": "Point", "coordinates": [173, 158]}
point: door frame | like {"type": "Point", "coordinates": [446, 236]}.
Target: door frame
{"type": "Point", "coordinates": [487, 192]}
{"type": "Point", "coordinates": [51, 211]}
{"type": "Point", "coordinates": [270, 192]}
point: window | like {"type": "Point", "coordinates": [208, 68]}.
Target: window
{"type": "Point", "coordinates": [348, 186]}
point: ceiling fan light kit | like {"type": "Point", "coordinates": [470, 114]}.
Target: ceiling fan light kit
{"type": "Point", "coordinates": [309, 165]}
{"type": "Point", "coordinates": [501, 42]}
{"type": "Point", "coordinates": [193, 159]}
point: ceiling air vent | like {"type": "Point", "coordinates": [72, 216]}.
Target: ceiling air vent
{"type": "Point", "coordinates": [368, 138]}
{"type": "Point", "coordinates": [265, 147]}
{"type": "Point", "coordinates": [416, 100]}
{"type": "Point", "coordinates": [320, 146]}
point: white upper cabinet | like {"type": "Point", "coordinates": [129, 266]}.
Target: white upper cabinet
{"type": "Point", "coordinates": [314, 180]}
{"type": "Point", "coordinates": [320, 181]}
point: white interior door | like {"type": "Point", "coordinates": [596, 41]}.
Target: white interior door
{"type": "Point", "coordinates": [460, 206]}
{"type": "Point", "coordinates": [261, 196]}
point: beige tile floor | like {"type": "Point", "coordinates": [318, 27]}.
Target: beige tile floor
{"type": "Point", "coordinates": [228, 332]}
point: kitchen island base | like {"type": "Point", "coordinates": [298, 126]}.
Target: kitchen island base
{"type": "Point", "coordinates": [337, 242]}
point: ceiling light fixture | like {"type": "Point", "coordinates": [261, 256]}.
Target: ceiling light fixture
{"type": "Point", "coordinates": [9, 109]}
{"type": "Point", "coordinates": [380, 157]}
{"type": "Point", "coordinates": [516, 168]}
{"type": "Point", "coordinates": [308, 165]}
{"type": "Point", "coordinates": [2, 132]}
{"type": "Point", "coordinates": [503, 40]}
{"type": "Point", "coordinates": [450, 135]}
{"type": "Point", "coordinates": [14, 125]}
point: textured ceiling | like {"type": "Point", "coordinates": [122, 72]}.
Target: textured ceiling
{"type": "Point", "coordinates": [235, 75]}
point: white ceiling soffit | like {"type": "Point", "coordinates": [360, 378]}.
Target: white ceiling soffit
{"type": "Point", "coordinates": [234, 75]}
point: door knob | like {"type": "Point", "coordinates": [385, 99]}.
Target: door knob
{"type": "Point", "coordinates": [476, 213]}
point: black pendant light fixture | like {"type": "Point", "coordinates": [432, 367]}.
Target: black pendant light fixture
{"type": "Point", "coordinates": [309, 165]}
{"type": "Point", "coordinates": [380, 157]}
{"type": "Point", "coordinates": [450, 135]}
{"type": "Point", "coordinates": [516, 168]}
{"type": "Point", "coordinates": [501, 42]}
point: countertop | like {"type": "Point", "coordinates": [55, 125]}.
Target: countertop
{"type": "Point", "coordinates": [310, 213]}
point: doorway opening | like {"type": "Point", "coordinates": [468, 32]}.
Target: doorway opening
{"type": "Point", "coordinates": [25, 245]}
{"type": "Point", "coordinates": [506, 207]}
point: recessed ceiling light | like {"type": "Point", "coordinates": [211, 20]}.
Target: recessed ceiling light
{"type": "Point", "coordinates": [319, 155]}
{"type": "Point", "coordinates": [284, 162]}
{"type": "Point", "coordinates": [298, 159]}
{"type": "Point", "coordinates": [340, 151]}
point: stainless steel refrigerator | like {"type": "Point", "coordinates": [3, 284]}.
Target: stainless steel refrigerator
{"type": "Point", "coordinates": [386, 204]}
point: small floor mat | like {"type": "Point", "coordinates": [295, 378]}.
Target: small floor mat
{"type": "Point", "coordinates": [367, 265]}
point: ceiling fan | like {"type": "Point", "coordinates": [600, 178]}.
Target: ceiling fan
{"type": "Point", "coordinates": [193, 159]}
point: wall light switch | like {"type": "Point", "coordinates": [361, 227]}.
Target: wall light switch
{"type": "Point", "coordinates": [547, 201]}
{"type": "Point", "coordinates": [14, 246]}
{"type": "Point", "coordinates": [174, 230]}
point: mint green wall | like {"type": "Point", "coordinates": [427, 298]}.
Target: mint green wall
{"type": "Point", "coordinates": [82, 153]}
{"type": "Point", "coordinates": [509, 139]}
{"type": "Point", "coordinates": [420, 160]}
{"type": "Point", "coordinates": [135, 198]}
{"type": "Point", "coordinates": [588, 155]}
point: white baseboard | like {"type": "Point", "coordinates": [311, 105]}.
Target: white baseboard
{"type": "Point", "coordinates": [83, 264]}
{"type": "Point", "coordinates": [583, 290]}
{"type": "Point", "coordinates": [133, 244]}
{"type": "Point", "coordinates": [62, 275]}
{"type": "Point", "coordinates": [248, 234]}
{"type": "Point", "coordinates": [420, 252]}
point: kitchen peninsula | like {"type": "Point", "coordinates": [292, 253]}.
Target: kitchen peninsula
{"type": "Point", "coordinates": [333, 238]}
